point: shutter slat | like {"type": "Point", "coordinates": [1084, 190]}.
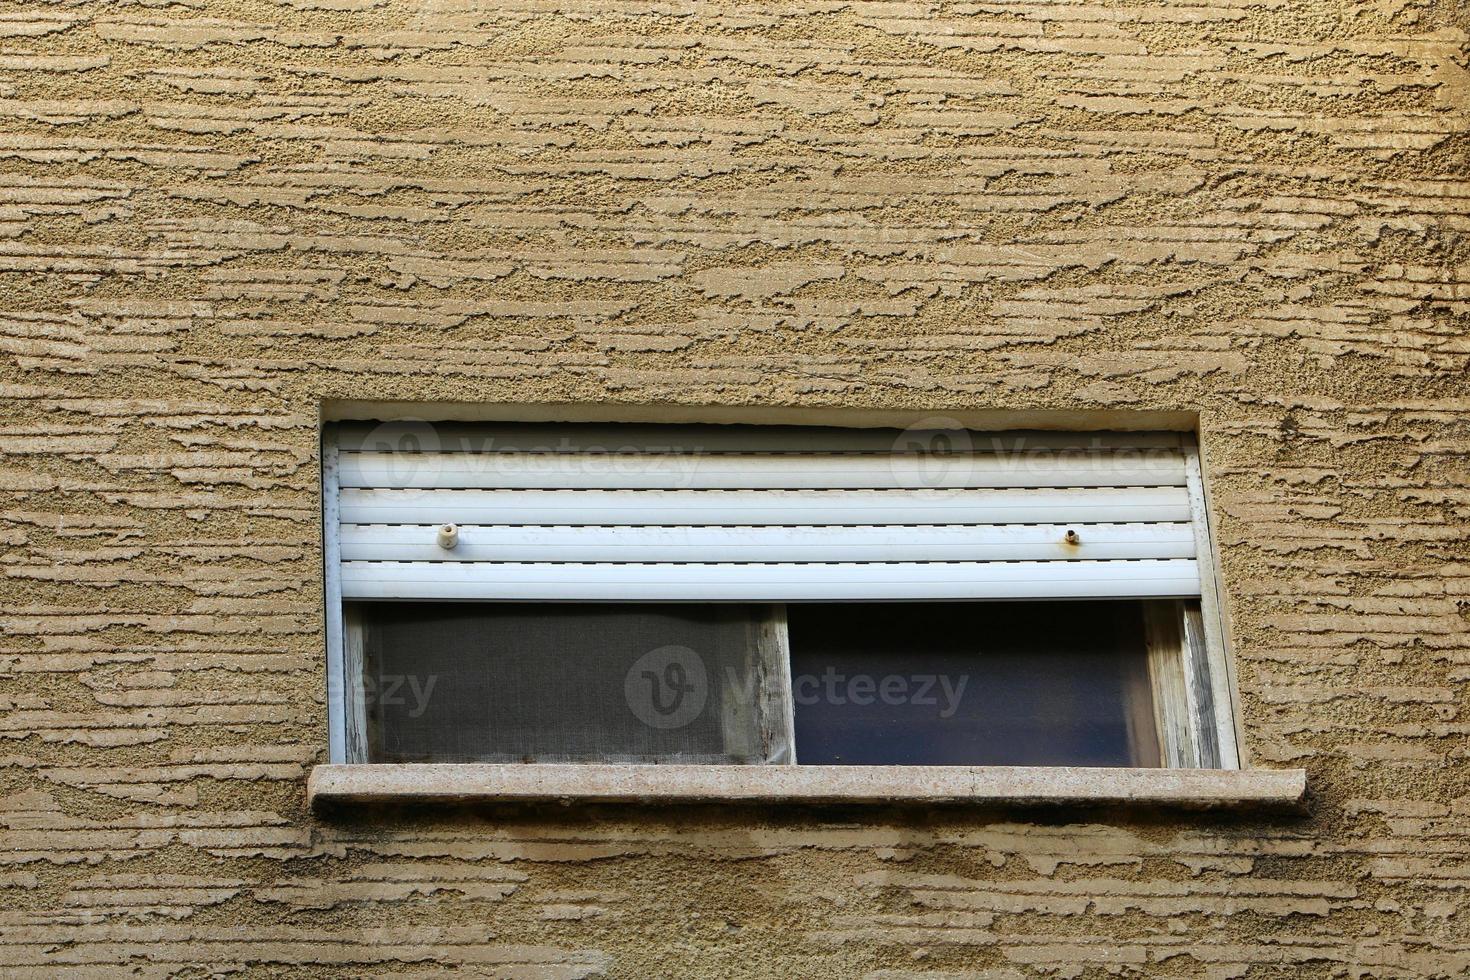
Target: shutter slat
{"type": "Point", "coordinates": [770, 583]}
{"type": "Point", "coordinates": [766, 507]}
{"type": "Point", "coordinates": [1017, 542]}
{"type": "Point", "coordinates": [645, 471]}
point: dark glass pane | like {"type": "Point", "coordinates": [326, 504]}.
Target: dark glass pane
{"type": "Point", "coordinates": [497, 682]}
{"type": "Point", "coordinates": [1003, 683]}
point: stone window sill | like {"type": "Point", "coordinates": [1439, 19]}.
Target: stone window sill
{"type": "Point", "coordinates": [657, 784]}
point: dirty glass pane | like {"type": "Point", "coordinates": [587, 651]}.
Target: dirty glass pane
{"type": "Point", "coordinates": [502, 682]}
{"type": "Point", "coordinates": [984, 683]}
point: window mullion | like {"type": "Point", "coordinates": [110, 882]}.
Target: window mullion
{"type": "Point", "coordinates": [777, 712]}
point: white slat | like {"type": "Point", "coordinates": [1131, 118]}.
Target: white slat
{"type": "Point", "coordinates": [687, 471]}
{"type": "Point", "coordinates": [738, 507]}
{"type": "Point", "coordinates": [770, 583]}
{"type": "Point", "coordinates": [1013, 542]}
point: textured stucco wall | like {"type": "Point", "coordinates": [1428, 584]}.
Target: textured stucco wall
{"type": "Point", "coordinates": [216, 213]}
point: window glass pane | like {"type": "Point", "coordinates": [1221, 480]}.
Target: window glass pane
{"type": "Point", "coordinates": [985, 683]}
{"type": "Point", "coordinates": [498, 682]}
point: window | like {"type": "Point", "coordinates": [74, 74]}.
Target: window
{"type": "Point", "coordinates": [770, 596]}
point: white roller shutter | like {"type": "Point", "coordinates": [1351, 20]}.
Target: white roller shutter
{"type": "Point", "coordinates": [690, 513]}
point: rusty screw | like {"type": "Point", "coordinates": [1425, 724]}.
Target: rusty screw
{"type": "Point", "coordinates": [1072, 537]}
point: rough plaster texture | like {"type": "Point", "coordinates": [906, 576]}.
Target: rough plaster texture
{"type": "Point", "coordinates": [216, 213]}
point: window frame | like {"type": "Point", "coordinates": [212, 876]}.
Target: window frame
{"type": "Point", "coordinates": [1189, 661]}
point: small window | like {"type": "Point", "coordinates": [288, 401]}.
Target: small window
{"type": "Point", "coordinates": [770, 596]}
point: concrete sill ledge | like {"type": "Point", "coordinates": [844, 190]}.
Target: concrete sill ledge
{"type": "Point", "coordinates": [992, 785]}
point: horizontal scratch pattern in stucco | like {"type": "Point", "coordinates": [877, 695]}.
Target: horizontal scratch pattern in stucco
{"type": "Point", "coordinates": [214, 214]}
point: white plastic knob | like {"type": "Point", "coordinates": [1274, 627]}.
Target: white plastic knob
{"type": "Point", "coordinates": [448, 536]}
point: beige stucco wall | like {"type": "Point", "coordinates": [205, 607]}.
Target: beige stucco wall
{"type": "Point", "coordinates": [217, 214]}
